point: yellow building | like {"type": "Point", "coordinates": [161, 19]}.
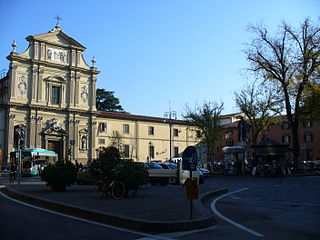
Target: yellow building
{"type": "Point", "coordinates": [51, 91]}
{"type": "Point", "coordinates": [144, 138]}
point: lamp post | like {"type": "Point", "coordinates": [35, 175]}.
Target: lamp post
{"type": "Point", "coordinates": [170, 115]}
{"type": "Point", "coordinates": [150, 155]}
{"type": "Point", "coordinates": [20, 133]}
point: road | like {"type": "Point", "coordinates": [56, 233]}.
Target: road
{"type": "Point", "coordinates": [254, 208]}
{"type": "Point", "coordinates": [18, 221]}
{"type": "Point", "coordinates": [276, 208]}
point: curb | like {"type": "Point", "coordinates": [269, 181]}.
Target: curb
{"type": "Point", "coordinates": [123, 221]}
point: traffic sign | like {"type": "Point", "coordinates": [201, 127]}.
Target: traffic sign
{"type": "Point", "coordinates": [190, 158]}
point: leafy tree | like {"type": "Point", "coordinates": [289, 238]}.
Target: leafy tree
{"type": "Point", "coordinates": [311, 102]}
{"type": "Point", "coordinates": [259, 105]}
{"type": "Point", "coordinates": [288, 61]}
{"type": "Point", "coordinates": [206, 118]}
{"type": "Point", "coordinates": [106, 101]}
{"type": "Point", "coordinates": [109, 159]}
{"type": "Point", "coordinates": [116, 141]}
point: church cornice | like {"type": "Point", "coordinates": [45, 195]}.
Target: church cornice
{"type": "Point", "coordinates": [47, 108]}
{"type": "Point", "coordinates": [29, 61]}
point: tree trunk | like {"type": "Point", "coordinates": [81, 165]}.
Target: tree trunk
{"type": "Point", "coordinates": [295, 142]}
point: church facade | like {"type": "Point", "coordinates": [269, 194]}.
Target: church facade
{"type": "Point", "coordinates": [50, 91]}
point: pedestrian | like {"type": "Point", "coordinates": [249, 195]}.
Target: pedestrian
{"type": "Point", "coordinates": [77, 165]}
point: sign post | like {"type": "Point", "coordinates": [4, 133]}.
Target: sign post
{"type": "Point", "coordinates": [190, 162]}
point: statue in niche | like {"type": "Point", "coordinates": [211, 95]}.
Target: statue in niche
{"type": "Point", "coordinates": [61, 56]}
{"type": "Point", "coordinates": [84, 143]}
{"type": "Point", "coordinates": [49, 53]}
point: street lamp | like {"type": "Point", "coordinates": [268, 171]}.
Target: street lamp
{"type": "Point", "coordinates": [150, 155]}
{"type": "Point", "coordinates": [170, 116]}
{"type": "Point", "coordinates": [20, 136]}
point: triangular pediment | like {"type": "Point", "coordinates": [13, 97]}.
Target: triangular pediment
{"type": "Point", "coordinates": [57, 37]}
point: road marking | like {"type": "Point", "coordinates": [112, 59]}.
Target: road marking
{"type": "Point", "coordinates": [180, 234]}
{"type": "Point", "coordinates": [214, 209]}
{"type": "Point", "coordinates": [149, 236]}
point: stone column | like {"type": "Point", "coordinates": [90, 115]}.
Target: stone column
{"type": "Point", "coordinates": [34, 80]}
{"type": "Point", "coordinates": [40, 83]}
{"type": "Point", "coordinates": [36, 50]}
{"type": "Point", "coordinates": [32, 133]}
{"type": "Point", "coordinates": [71, 90]}
{"type": "Point", "coordinates": [10, 131]}
{"type": "Point", "coordinates": [92, 143]}
{"type": "Point", "coordinates": [93, 94]}
{"type": "Point", "coordinates": [77, 90]}
{"type": "Point", "coordinates": [13, 81]}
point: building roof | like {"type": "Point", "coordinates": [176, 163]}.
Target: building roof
{"type": "Point", "coordinates": [270, 147]}
{"type": "Point", "coordinates": [126, 116]}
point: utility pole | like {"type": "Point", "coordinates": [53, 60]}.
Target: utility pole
{"type": "Point", "coordinates": [170, 115]}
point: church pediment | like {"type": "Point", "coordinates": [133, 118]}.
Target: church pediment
{"type": "Point", "coordinates": [57, 37]}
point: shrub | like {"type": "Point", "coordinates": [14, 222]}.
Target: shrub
{"type": "Point", "coordinates": [59, 175]}
{"type": "Point", "coordinates": [113, 167]}
{"type": "Point", "coordinates": [132, 174]}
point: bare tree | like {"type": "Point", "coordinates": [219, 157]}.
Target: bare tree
{"type": "Point", "coordinates": [206, 118]}
{"type": "Point", "coordinates": [290, 61]}
{"type": "Point", "coordinates": [260, 105]}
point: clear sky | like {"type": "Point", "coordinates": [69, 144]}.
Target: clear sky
{"type": "Point", "coordinates": [151, 52]}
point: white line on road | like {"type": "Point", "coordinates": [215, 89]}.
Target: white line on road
{"type": "Point", "coordinates": [214, 209]}
{"type": "Point", "coordinates": [150, 236]}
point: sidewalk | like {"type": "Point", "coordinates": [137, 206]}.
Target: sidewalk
{"type": "Point", "coordinates": [154, 209]}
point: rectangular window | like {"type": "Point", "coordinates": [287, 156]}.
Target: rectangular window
{"type": "Point", "coordinates": [285, 126]}
{"type": "Point", "coordinates": [151, 131]}
{"type": "Point", "coordinates": [55, 97]}
{"type": "Point", "coordinates": [102, 127]}
{"type": "Point", "coordinates": [308, 137]}
{"type": "Point", "coordinates": [286, 139]}
{"type": "Point", "coordinates": [151, 152]}
{"type": "Point", "coordinates": [229, 142]}
{"type": "Point", "coordinates": [307, 124]}
{"type": "Point", "coordinates": [175, 132]}
{"type": "Point", "coordinates": [176, 151]}
{"type": "Point", "coordinates": [126, 151]}
{"type": "Point", "coordinates": [228, 134]}
{"type": "Point", "coordinates": [309, 154]}
{"type": "Point", "coordinates": [101, 141]}
{"type": "Point", "coordinates": [126, 129]}
{"type": "Point", "coordinates": [198, 134]}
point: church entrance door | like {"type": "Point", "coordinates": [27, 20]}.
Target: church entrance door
{"type": "Point", "coordinates": [57, 147]}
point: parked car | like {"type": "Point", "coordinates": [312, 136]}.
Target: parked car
{"type": "Point", "coordinates": [153, 165]}
{"type": "Point", "coordinates": [6, 166]}
{"type": "Point", "coordinates": [168, 165]}
{"type": "Point", "coordinates": [87, 175]}
{"type": "Point", "coordinates": [204, 171]}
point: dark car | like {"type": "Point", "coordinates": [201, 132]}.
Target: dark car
{"type": "Point", "coordinates": [88, 175]}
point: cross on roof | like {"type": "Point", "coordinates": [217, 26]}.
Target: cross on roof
{"type": "Point", "coordinates": [58, 19]}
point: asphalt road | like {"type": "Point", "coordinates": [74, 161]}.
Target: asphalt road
{"type": "Point", "coordinates": [275, 208]}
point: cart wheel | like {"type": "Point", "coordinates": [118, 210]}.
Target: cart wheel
{"type": "Point", "coordinates": [118, 190]}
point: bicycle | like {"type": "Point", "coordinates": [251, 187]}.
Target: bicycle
{"type": "Point", "coordinates": [12, 177]}
{"type": "Point", "coordinates": [116, 189]}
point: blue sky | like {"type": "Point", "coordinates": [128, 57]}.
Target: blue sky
{"type": "Point", "coordinates": [152, 52]}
